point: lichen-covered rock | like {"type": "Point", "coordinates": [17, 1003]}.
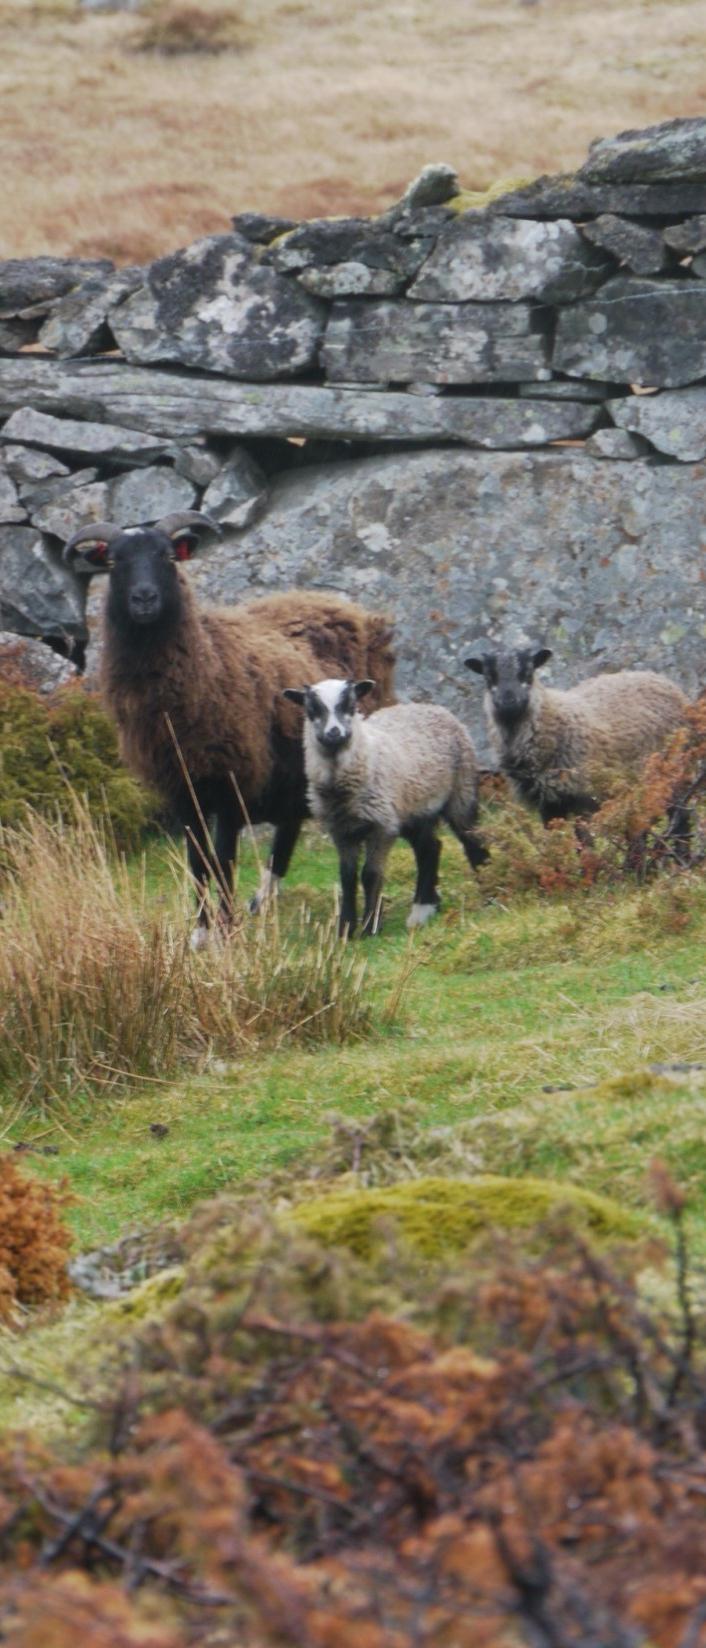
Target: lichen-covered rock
{"type": "Point", "coordinates": [37, 595]}
{"type": "Point", "coordinates": [82, 440]}
{"type": "Point", "coordinates": [379, 342]}
{"type": "Point", "coordinates": [435, 184]}
{"type": "Point", "coordinates": [30, 663]}
{"type": "Point", "coordinates": [16, 333]}
{"type": "Point", "coordinates": [138, 495]}
{"type": "Point", "coordinates": [640, 248]}
{"type": "Point", "coordinates": [440, 1216]}
{"type": "Point", "coordinates": [567, 389]}
{"type": "Point", "coordinates": [599, 557]}
{"type": "Point", "coordinates": [11, 508]}
{"type": "Point", "coordinates": [30, 469]}
{"type": "Point", "coordinates": [215, 306]}
{"type": "Point", "coordinates": [615, 443]}
{"type": "Point", "coordinates": [238, 493]}
{"type": "Point", "coordinates": [673, 149]}
{"type": "Point", "coordinates": [185, 405]}
{"type": "Point", "coordinates": [689, 236]}
{"type": "Point", "coordinates": [78, 323]}
{"type": "Point", "coordinates": [502, 258]}
{"type": "Point", "coordinates": [349, 257]}
{"type": "Point", "coordinates": [648, 332]}
{"type": "Point", "coordinates": [574, 197]}
{"type": "Point", "coordinates": [39, 280]}
{"type": "Point", "coordinates": [674, 422]}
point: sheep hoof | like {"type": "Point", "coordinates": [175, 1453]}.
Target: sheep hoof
{"type": "Point", "coordinates": [268, 888]}
{"type": "Point", "coordinates": [200, 939]}
{"type": "Point", "coordinates": [420, 914]}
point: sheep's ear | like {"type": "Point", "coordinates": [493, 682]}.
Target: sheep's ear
{"type": "Point", "coordinates": [296, 695]}
{"type": "Point", "coordinates": [541, 656]}
{"type": "Point", "coordinates": [87, 550]}
{"type": "Point", "coordinates": [362, 688]}
{"type": "Point", "coordinates": [476, 663]}
{"type": "Point", "coordinates": [185, 529]}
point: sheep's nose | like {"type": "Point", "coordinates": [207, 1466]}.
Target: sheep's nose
{"type": "Point", "coordinates": [144, 599]}
{"type": "Point", "coordinates": [333, 736]}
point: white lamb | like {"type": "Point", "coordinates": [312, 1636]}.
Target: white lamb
{"type": "Point", "coordinates": [394, 773]}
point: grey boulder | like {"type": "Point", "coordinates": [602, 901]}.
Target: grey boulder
{"type": "Point", "coordinates": [37, 595]}
{"type": "Point", "coordinates": [641, 249]}
{"type": "Point", "coordinates": [636, 331]}
{"type": "Point", "coordinates": [503, 258]}
{"type": "Point", "coordinates": [674, 423]}
{"type": "Point", "coordinates": [83, 440]}
{"type": "Point", "coordinates": [78, 323]}
{"type": "Point", "coordinates": [32, 662]}
{"type": "Point", "coordinates": [25, 282]}
{"type": "Point", "coordinates": [673, 149]}
{"type": "Point", "coordinates": [215, 306]}
{"type": "Point", "coordinates": [379, 342]}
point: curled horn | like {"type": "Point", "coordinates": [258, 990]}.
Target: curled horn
{"type": "Point", "coordinates": [185, 522]}
{"type": "Point", "coordinates": [94, 537]}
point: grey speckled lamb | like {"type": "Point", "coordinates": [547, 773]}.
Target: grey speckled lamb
{"type": "Point", "coordinates": [561, 748]}
{"type": "Point", "coordinates": [397, 773]}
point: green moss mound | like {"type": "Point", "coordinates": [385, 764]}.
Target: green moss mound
{"type": "Point", "coordinates": [439, 1216]}
{"type": "Point", "coordinates": [52, 751]}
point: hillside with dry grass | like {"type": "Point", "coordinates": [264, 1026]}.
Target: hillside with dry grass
{"type": "Point", "coordinates": [128, 134]}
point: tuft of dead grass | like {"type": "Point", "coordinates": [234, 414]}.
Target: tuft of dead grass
{"type": "Point", "coordinates": [99, 986]}
{"type": "Point", "coordinates": [176, 30]}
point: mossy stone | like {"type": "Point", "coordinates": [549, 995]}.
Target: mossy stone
{"type": "Point", "coordinates": [438, 1216]}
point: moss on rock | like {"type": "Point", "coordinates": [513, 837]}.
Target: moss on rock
{"type": "Point", "coordinates": [438, 1216]}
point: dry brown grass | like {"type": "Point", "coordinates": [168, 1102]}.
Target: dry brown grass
{"type": "Point", "coordinates": [99, 986]}
{"type": "Point", "coordinates": [324, 108]}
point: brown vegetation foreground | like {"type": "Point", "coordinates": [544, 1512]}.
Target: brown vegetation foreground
{"type": "Point", "coordinates": [518, 1457]}
{"type": "Point", "coordinates": [312, 108]}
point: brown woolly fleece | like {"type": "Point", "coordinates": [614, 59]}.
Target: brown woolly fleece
{"type": "Point", "coordinates": [218, 680]}
{"type": "Point", "coordinates": [570, 742]}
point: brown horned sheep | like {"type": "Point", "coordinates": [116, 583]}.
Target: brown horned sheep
{"type": "Point", "coordinates": [196, 691]}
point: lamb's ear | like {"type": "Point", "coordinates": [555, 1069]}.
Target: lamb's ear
{"type": "Point", "coordinates": [362, 688]}
{"type": "Point", "coordinates": [296, 695]}
{"type": "Point", "coordinates": [88, 550]}
{"type": "Point", "coordinates": [541, 656]}
{"type": "Point", "coordinates": [476, 662]}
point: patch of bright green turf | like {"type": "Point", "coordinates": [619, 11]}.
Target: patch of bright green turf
{"type": "Point", "coordinates": [506, 1005]}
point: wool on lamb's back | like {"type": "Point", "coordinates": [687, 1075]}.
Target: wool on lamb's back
{"type": "Point", "coordinates": [412, 757]}
{"type": "Point", "coordinates": [608, 720]}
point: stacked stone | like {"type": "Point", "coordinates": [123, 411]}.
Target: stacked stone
{"type": "Point", "coordinates": [480, 417]}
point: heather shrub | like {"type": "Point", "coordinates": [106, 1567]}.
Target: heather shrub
{"type": "Point", "coordinates": [34, 1242]}
{"type": "Point", "coordinates": [54, 749]}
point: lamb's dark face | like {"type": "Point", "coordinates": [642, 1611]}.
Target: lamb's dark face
{"type": "Point", "coordinates": [144, 587]}
{"type": "Point", "coordinates": [330, 708]}
{"type": "Point", "coordinates": [508, 678]}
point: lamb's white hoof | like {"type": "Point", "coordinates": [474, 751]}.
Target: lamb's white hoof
{"type": "Point", "coordinates": [420, 914]}
{"type": "Point", "coordinates": [268, 888]}
{"type": "Point", "coordinates": [200, 939]}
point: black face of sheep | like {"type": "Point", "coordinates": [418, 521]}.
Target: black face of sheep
{"type": "Point", "coordinates": [508, 677]}
{"type": "Point", "coordinates": [142, 562]}
{"type": "Point", "coordinates": [330, 707]}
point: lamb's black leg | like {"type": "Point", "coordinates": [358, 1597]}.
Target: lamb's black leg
{"type": "Point", "coordinates": [348, 871]}
{"type": "Point", "coordinates": [376, 851]}
{"type": "Point", "coordinates": [426, 847]}
{"type": "Point", "coordinates": [284, 841]}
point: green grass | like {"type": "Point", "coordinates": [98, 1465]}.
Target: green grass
{"type": "Point", "coordinates": [504, 1003]}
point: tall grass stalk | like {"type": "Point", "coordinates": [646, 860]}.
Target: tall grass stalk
{"type": "Point", "coordinates": [98, 984]}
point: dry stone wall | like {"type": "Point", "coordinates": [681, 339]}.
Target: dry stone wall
{"type": "Point", "coordinates": [488, 418]}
